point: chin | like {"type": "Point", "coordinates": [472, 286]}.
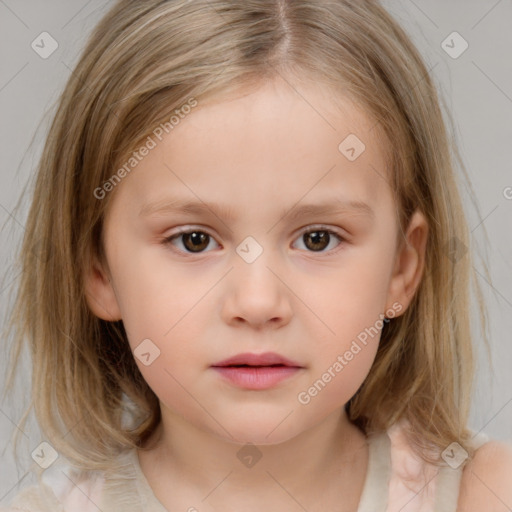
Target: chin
{"type": "Point", "coordinates": [259, 433]}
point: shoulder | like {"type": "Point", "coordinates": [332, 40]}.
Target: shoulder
{"type": "Point", "coordinates": [37, 498]}
{"type": "Point", "coordinates": [63, 488]}
{"type": "Point", "coordinates": [59, 494]}
{"type": "Point", "coordinates": [486, 482]}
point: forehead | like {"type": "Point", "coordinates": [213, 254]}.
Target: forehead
{"type": "Point", "coordinates": [278, 143]}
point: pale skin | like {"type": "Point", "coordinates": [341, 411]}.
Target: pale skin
{"type": "Point", "coordinates": [262, 154]}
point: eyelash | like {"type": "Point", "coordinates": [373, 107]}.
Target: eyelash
{"type": "Point", "coordinates": [168, 240]}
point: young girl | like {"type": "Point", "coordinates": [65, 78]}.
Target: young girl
{"type": "Point", "coordinates": [244, 279]}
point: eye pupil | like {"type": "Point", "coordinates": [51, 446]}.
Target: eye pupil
{"type": "Point", "coordinates": [320, 239]}
{"type": "Point", "coordinates": [199, 241]}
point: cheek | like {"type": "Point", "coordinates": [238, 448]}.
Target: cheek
{"type": "Point", "coordinates": [165, 304]}
{"type": "Point", "coordinates": [154, 294]}
{"type": "Point", "coordinates": [351, 306]}
{"type": "Point", "coordinates": [167, 316]}
{"type": "Point", "coordinates": [342, 360]}
{"type": "Point", "coordinates": [354, 296]}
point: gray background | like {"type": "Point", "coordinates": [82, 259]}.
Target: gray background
{"type": "Point", "coordinates": [477, 87]}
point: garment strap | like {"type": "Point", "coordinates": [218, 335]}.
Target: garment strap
{"type": "Point", "coordinates": [128, 490]}
{"type": "Point", "coordinates": [374, 497]}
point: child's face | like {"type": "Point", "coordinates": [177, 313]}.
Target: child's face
{"type": "Point", "coordinates": [314, 300]}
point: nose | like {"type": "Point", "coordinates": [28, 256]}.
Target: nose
{"type": "Point", "coordinates": [256, 295]}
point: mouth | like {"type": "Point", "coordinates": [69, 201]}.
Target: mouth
{"type": "Point", "coordinates": [265, 359]}
{"type": "Point", "coordinates": [257, 371]}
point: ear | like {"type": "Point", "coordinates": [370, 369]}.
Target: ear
{"type": "Point", "coordinates": [409, 263]}
{"type": "Point", "coordinates": [99, 292]}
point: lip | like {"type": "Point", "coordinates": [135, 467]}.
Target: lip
{"type": "Point", "coordinates": [257, 371]}
{"type": "Point", "coordinates": [264, 359]}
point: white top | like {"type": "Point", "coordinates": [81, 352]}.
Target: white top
{"type": "Point", "coordinates": [396, 480]}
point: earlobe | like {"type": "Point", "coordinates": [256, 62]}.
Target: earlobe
{"type": "Point", "coordinates": [409, 262]}
{"type": "Point", "coordinates": [100, 294]}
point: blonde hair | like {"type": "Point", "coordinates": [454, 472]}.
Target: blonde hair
{"type": "Point", "coordinates": [146, 58]}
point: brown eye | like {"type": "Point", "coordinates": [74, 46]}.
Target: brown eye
{"type": "Point", "coordinates": [196, 241]}
{"type": "Point", "coordinates": [318, 240]}
{"type": "Point", "coordinates": [193, 241]}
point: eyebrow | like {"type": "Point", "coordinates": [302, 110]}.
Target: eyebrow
{"type": "Point", "coordinates": [330, 207]}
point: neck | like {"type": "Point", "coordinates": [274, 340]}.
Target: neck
{"type": "Point", "coordinates": [332, 450]}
